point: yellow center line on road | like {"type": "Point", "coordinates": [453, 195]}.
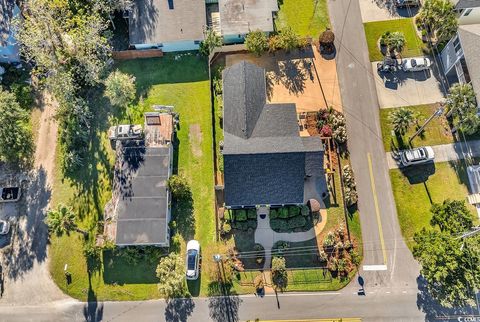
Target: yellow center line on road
{"type": "Point", "coordinates": [377, 209]}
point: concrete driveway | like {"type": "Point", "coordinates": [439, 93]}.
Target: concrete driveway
{"type": "Point", "coordinates": [379, 10]}
{"type": "Point", "coordinates": [407, 88]}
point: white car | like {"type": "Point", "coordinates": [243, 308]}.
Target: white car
{"type": "Point", "coordinates": [125, 132]}
{"type": "Point", "coordinates": [416, 64]}
{"type": "Point", "coordinates": [193, 260]}
{"type": "Point", "coordinates": [417, 156]}
{"type": "Point", "coordinates": [4, 227]}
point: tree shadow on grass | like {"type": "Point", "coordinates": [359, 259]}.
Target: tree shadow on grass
{"type": "Point", "coordinates": [184, 216]}
{"type": "Point", "coordinates": [223, 308]}
{"type": "Point", "coordinates": [31, 233]}
{"type": "Point", "coordinates": [433, 309]}
{"type": "Point", "coordinates": [92, 310]}
{"type": "Point", "coordinates": [178, 310]}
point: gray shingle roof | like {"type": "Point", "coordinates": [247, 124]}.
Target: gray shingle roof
{"type": "Point", "coordinates": [470, 38]}
{"type": "Point", "coordinates": [265, 159]}
{"type": "Point", "coordinates": [143, 200]}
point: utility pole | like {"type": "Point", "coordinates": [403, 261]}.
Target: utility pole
{"type": "Point", "coordinates": [437, 113]}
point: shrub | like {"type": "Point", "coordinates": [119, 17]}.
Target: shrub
{"type": "Point", "coordinates": [283, 213]}
{"type": "Point", "coordinates": [279, 225]}
{"type": "Point", "coordinates": [305, 211]}
{"type": "Point", "coordinates": [251, 214]}
{"type": "Point", "coordinates": [226, 228]}
{"type": "Point", "coordinates": [179, 187]}
{"type": "Point", "coordinates": [332, 264]}
{"type": "Point", "coordinates": [329, 240]}
{"type": "Point", "coordinates": [288, 39]}
{"type": "Point", "coordinates": [274, 43]}
{"type": "Point", "coordinates": [296, 222]}
{"type": "Point", "coordinates": [293, 211]}
{"type": "Point", "coordinates": [279, 272]}
{"type": "Point", "coordinates": [326, 131]}
{"type": "Point", "coordinates": [260, 253]}
{"type": "Point", "coordinates": [273, 214]}
{"type": "Point", "coordinates": [252, 224]}
{"type": "Point", "coordinates": [256, 42]}
{"type": "Point", "coordinates": [322, 256]}
{"type": "Point", "coordinates": [338, 123]}
{"type": "Point", "coordinates": [355, 257]}
{"type": "Point", "coordinates": [342, 266]}
{"type": "Point", "coordinates": [240, 215]}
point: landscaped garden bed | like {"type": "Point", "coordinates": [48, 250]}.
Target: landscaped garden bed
{"type": "Point", "coordinates": [374, 31]}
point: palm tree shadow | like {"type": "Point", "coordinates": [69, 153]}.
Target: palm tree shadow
{"type": "Point", "coordinates": [92, 310]}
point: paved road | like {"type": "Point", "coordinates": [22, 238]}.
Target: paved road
{"type": "Point", "coordinates": [445, 152]}
{"type": "Point", "coordinates": [383, 243]}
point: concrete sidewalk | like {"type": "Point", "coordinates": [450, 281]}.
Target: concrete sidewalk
{"type": "Point", "coordinates": [445, 152]}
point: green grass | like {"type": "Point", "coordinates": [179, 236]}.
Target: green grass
{"type": "Point", "coordinates": [373, 31]}
{"type": "Point", "coordinates": [435, 133]}
{"type": "Point", "coordinates": [416, 188]}
{"type": "Point", "coordinates": [183, 83]}
{"type": "Point", "coordinates": [306, 17]}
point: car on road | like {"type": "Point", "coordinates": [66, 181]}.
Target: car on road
{"type": "Point", "coordinates": [416, 64]}
{"type": "Point", "coordinates": [193, 260]}
{"type": "Point", "coordinates": [417, 156]}
{"type": "Point", "coordinates": [407, 3]}
{"type": "Point", "coordinates": [4, 227]}
{"type": "Point", "coordinates": [125, 132]}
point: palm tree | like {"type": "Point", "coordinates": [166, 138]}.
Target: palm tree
{"type": "Point", "coordinates": [396, 41]}
{"type": "Point", "coordinates": [462, 104]}
{"type": "Point", "coordinates": [440, 17]}
{"type": "Point", "coordinates": [62, 221]}
{"type": "Point", "coordinates": [401, 120]}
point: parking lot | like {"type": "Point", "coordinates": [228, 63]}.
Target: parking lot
{"type": "Point", "coordinates": [396, 89]}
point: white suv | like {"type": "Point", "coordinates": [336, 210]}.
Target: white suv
{"type": "Point", "coordinates": [417, 156]}
{"type": "Point", "coordinates": [193, 260]}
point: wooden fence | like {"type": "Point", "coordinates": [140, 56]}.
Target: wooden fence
{"type": "Point", "coordinates": [133, 54]}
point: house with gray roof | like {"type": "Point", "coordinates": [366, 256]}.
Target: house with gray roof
{"type": "Point", "coordinates": [266, 161]}
{"type": "Point", "coordinates": [468, 11]}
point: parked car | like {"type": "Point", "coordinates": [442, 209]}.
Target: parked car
{"type": "Point", "coordinates": [193, 260]}
{"type": "Point", "coordinates": [416, 64]}
{"type": "Point", "coordinates": [4, 227]}
{"type": "Point", "coordinates": [125, 132]}
{"type": "Point", "coordinates": [407, 3]}
{"type": "Point", "coordinates": [417, 156]}
{"type": "Point", "coordinates": [387, 65]}
{"type": "Point", "coordinates": [10, 194]}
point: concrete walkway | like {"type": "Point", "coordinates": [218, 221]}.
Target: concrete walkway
{"type": "Point", "coordinates": [445, 152]}
{"type": "Point", "coordinates": [265, 236]}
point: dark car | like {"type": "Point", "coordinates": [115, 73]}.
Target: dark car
{"type": "Point", "coordinates": [407, 3]}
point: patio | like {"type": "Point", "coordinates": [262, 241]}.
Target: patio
{"type": "Point", "coordinates": [302, 77]}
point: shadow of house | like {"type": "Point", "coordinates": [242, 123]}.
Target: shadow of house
{"type": "Point", "coordinates": [266, 162]}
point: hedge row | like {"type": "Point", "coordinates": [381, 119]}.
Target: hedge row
{"type": "Point", "coordinates": [288, 224]}
{"type": "Point", "coordinates": [244, 225]}
{"type": "Point", "coordinates": [289, 212]}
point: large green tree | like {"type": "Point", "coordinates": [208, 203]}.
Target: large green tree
{"type": "Point", "coordinates": [440, 17]}
{"type": "Point", "coordinates": [462, 104]}
{"type": "Point", "coordinates": [451, 270]}
{"type": "Point", "coordinates": [16, 144]}
{"type": "Point", "coordinates": [120, 88]}
{"type": "Point", "coordinates": [212, 40]}
{"type": "Point", "coordinates": [256, 42]}
{"type": "Point", "coordinates": [450, 263]}
{"type": "Point", "coordinates": [62, 221]}
{"type": "Point", "coordinates": [171, 273]}
{"type": "Point", "coordinates": [452, 216]}
{"type": "Point", "coordinates": [396, 41]}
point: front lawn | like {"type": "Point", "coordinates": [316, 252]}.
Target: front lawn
{"type": "Point", "coordinates": [416, 188]}
{"type": "Point", "coordinates": [306, 17]}
{"type": "Point", "coordinates": [373, 31]}
{"type": "Point", "coordinates": [435, 133]}
{"type": "Point", "coordinates": [178, 80]}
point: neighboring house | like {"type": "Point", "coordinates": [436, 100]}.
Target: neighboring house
{"type": "Point", "coordinates": [177, 25]}
{"type": "Point", "coordinates": [468, 11]}
{"type": "Point", "coordinates": [170, 25]}
{"type": "Point", "coordinates": [139, 212]}
{"type": "Point", "coordinates": [461, 56]}
{"type": "Point", "coordinates": [236, 18]}
{"type": "Point", "coordinates": [266, 162]}
{"type": "Point", "coordinates": [9, 49]}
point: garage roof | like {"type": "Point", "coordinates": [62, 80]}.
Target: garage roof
{"type": "Point", "coordinates": [143, 199]}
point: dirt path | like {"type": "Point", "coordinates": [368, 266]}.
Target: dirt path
{"type": "Point", "coordinates": [27, 278]}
